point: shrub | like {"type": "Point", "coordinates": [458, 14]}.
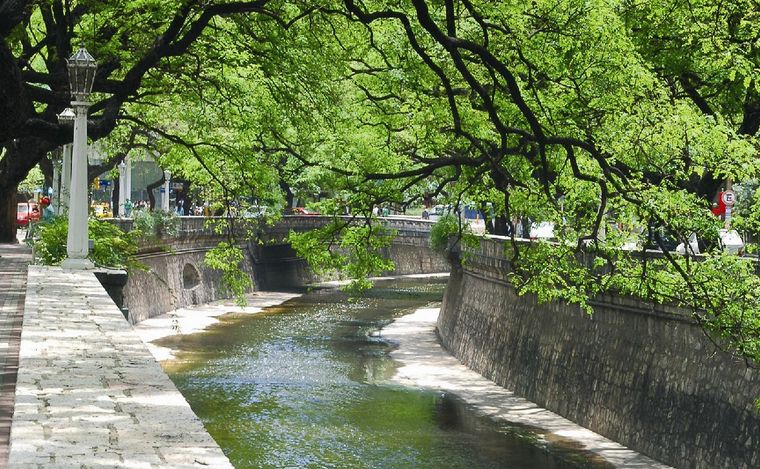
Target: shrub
{"type": "Point", "coordinates": [229, 259]}
{"type": "Point", "coordinates": [111, 246]}
{"type": "Point", "coordinates": [449, 230]}
{"type": "Point", "coordinates": [157, 224]}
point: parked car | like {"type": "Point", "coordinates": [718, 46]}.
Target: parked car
{"type": "Point", "coordinates": [542, 230]}
{"type": "Point", "coordinates": [101, 210]}
{"type": "Point", "coordinates": [729, 241]}
{"type": "Point", "coordinates": [437, 212]}
{"type": "Point", "coordinates": [255, 211]}
{"type": "Point", "coordinates": [26, 212]}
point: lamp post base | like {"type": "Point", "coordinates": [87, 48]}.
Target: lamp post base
{"type": "Point", "coordinates": [71, 263]}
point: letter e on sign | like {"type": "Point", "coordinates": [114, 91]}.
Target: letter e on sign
{"type": "Point", "coordinates": [729, 198]}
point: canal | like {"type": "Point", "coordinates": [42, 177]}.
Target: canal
{"type": "Point", "coordinates": [305, 384]}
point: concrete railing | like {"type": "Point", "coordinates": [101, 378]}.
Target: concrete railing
{"type": "Point", "coordinates": [195, 227]}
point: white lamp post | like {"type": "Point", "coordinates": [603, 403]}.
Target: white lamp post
{"type": "Point", "coordinates": [65, 117]}
{"type": "Point", "coordinates": [55, 202]}
{"type": "Point", "coordinates": [81, 67]}
{"type": "Point", "coordinates": [125, 185]}
{"type": "Point", "coordinates": [165, 199]}
{"type": "Point", "coordinates": [128, 182]}
{"type": "Point", "coordinates": [122, 191]}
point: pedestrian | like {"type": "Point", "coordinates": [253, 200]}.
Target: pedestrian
{"type": "Point", "coordinates": [128, 206]}
{"type": "Point", "coordinates": [47, 210]}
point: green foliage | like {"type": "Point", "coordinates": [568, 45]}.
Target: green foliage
{"type": "Point", "coordinates": [562, 111]}
{"type": "Point", "coordinates": [450, 232]}
{"type": "Point", "coordinates": [442, 230]}
{"type": "Point", "coordinates": [554, 271]}
{"type": "Point", "coordinates": [112, 247]}
{"type": "Point", "coordinates": [747, 213]}
{"type": "Point", "coordinates": [50, 244]}
{"type": "Point", "coordinates": [33, 180]}
{"type": "Point", "coordinates": [157, 224]}
{"type": "Point", "coordinates": [229, 259]}
{"type": "Point", "coordinates": [721, 290]}
{"type": "Point", "coordinates": [341, 247]}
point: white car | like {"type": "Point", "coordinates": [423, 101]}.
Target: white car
{"type": "Point", "coordinates": [730, 242]}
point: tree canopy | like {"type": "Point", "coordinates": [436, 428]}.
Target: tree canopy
{"type": "Point", "coordinates": [569, 111]}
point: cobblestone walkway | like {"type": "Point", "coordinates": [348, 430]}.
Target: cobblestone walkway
{"type": "Point", "coordinates": [14, 259]}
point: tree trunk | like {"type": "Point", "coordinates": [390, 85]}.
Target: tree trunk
{"type": "Point", "coordinates": [20, 156]}
{"type": "Point", "coordinates": [47, 173]}
{"type": "Point", "coordinates": [115, 208]}
{"type": "Point", "coordinates": [502, 226]}
{"type": "Point", "coordinates": [288, 195]}
{"type": "Point", "coordinates": [8, 214]}
{"type": "Point", "coordinates": [15, 106]}
{"type": "Point", "coordinates": [150, 188]}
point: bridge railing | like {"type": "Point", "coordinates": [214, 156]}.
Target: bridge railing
{"type": "Point", "coordinates": [192, 226]}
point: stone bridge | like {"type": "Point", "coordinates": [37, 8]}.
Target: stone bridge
{"type": "Point", "coordinates": [177, 277]}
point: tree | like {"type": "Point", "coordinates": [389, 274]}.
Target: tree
{"type": "Point", "coordinates": [568, 111]}
{"type": "Point", "coordinates": [134, 43]}
{"type": "Point", "coordinates": [552, 107]}
{"type": "Point", "coordinates": [706, 53]}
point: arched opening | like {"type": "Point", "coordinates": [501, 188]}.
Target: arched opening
{"type": "Point", "coordinates": [191, 278]}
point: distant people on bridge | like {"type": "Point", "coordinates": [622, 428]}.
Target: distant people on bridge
{"type": "Point", "coordinates": [47, 210]}
{"type": "Point", "coordinates": [128, 206]}
{"type": "Point", "coordinates": [140, 206]}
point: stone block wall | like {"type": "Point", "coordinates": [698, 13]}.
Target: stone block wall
{"type": "Point", "coordinates": [176, 276]}
{"type": "Point", "coordinates": [279, 267]}
{"type": "Point", "coordinates": [641, 374]}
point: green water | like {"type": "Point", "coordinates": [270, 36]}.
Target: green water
{"type": "Point", "coordinates": [303, 385]}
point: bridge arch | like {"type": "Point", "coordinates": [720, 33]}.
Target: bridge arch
{"type": "Point", "coordinates": [177, 277]}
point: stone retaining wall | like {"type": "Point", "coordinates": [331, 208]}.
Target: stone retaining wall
{"type": "Point", "coordinates": [176, 276]}
{"type": "Point", "coordinates": [640, 374]}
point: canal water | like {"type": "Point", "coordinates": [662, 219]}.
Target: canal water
{"type": "Point", "coordinates": [304, 385]}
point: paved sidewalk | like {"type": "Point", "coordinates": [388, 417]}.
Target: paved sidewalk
{"type": "Point", "coordinates": [89, 394]}
{"type": "Point", "coordinates": [14, 259]}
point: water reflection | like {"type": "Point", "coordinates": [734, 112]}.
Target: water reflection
{"type": "Point", "coordinates": [303, 385]}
